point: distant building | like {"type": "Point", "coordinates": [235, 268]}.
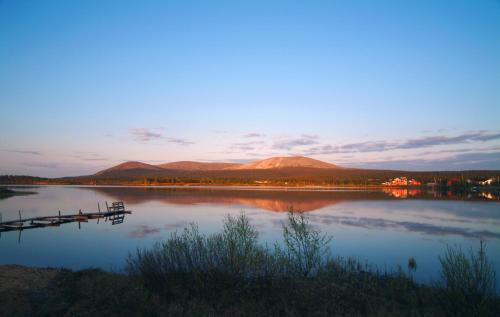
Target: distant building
{"type": "Point", "coordinates": [488, 182]}
{"type": "Point", "coordinates": [402, 181]}
{"type": "Point", "coordinates": [452, 182]}
{"type": "Point", "coordinates": [413, 182]}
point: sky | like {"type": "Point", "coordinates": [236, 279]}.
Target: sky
{"type": "Point", "coordinates": [85, 85]}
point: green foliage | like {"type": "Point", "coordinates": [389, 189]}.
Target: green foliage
{"type": "Point", "coordinates": [305, 248]}
{"type": "Point", "coordinates": [469, 280]}
{"type": "Point", "coordinates": [233, 254]}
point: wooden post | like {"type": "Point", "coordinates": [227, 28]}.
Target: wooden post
{"type": "Point", "coordinates": [99, 209]}
{"type": "Point", "coordinates": [107, 208]}
{"type": "Point", "coordinates": [20, 220]}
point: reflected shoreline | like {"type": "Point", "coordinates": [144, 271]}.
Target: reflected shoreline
{"type": "Point", "coordinates": [276, 200]}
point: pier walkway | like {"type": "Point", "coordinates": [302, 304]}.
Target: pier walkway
{"type": "Point", "coordinates": [114, 213]}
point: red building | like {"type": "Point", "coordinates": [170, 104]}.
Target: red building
{"type": "Point", "coordinates": [402, 181]}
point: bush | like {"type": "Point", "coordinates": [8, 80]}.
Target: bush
{"type": "Point", "coordinates": [230, 273]}
{"type": "Point", "coordinates": [469, 281]}
{"type": "Point", "coordinates": [306, 249]}
{"type": "Point", "coordinates": [234, 253]}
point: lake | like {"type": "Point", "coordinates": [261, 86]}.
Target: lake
{"type": "Point", "coordinates": [380, 227]}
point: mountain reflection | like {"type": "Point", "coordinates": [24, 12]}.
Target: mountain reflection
{"type": "Point", "coordinates": [271, 200]}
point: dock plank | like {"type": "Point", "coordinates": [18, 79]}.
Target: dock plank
{"type": "Point", "coordinates": [116, 209]}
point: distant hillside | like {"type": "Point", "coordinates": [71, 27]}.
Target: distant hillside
{"type": "Point", "coordinates": [131, 166]}
{"type": "Point", "coordinates": [197, 166]}
{"type": "Point", "coordinates": [270, 163]}
{"type": "Point", "coordinates": [295, 164]}
{"type": "Point", "coordinates": [286, 162]}
{"type": "Point", "coordinates": [276, 171]}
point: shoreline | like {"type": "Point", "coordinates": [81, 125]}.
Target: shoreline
{"type": "Point", "coordinates": [215, 186]}
{"type": "Point", "coordinates": [253, 187]}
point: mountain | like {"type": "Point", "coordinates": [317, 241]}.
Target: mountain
{"type": "Point", "coordinates": [197, 166]}
{"type": "Point", "coordinates": [286, 162]}
{"type": "Point", "coordinates": [275, 171]}
{"type": "Point", "coordinates": [130, 166]}
{"type": "Point", "coordinates": [297, 164]}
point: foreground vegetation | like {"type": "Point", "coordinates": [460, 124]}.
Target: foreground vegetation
{"type": "Point", "coordinates": [231, 274]}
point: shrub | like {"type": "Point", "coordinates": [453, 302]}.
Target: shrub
{"type": "Point", "coordinates": [234, 253]}
{"type": "Point", "coordinates": [231, 273]}
{"type": "Point", "coordinates": [306, 248]}
{"type": "Point", "coordinates": [469, 281]}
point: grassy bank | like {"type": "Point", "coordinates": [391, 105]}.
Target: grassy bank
{"type": "Point", "coordinates": [231, 274]}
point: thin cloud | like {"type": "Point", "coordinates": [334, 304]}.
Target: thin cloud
{"type": "Point", "coordinates": [289, 144]}
{"type": "Point", "coordinates": [479, 136]}
{"type": "Point", "coordinates": [254, 135]}
{"type": "Point", "coordinates": [246, 146]}
{"type": "Point", "coordinates": [43, 165]}
{"type": "Point", "coordinates": [462, 151]}
{"type": "Point", "coordinates": [417, 143]}
{"type": "Point", "coordinates": [88, 156]}
{"type": "Point", "coordinates": [310, 136]}
{"type": "Point", "coordinates": [219, 131]}
{"type": "Point", "coordinates": [178, 141]}
{"type": "Point", "coordinates": [146, 135]}
{"type": "Point", "coordinates": [24, 152]}
{"type": "Point", "coordinates": [464, 161]}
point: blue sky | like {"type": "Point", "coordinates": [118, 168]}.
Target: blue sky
{"type": "Point", "coordinates": [382, 84]}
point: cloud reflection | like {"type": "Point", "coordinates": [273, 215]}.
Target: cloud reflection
{"type": "Point", "coordinates": [143, 230]}
{"type": "Point", "coordinates": [418, 227]}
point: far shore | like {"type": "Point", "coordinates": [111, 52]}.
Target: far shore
{"type": "Point", "coordinates": [235, 186]}
{"type": "Point", "coordinates": [254, 187]}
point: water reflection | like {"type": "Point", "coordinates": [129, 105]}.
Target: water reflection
{"type": "Point", "coordinates": [276, 200]}
{"type": "Point", "coordinates": [402, 192]}
{"type": "Point", "coordinates": [423, 228]}
{"type": "Point", "coordinates": [271, 200]}
{"type": "Point", "coordinates": [464, 221]}
{"type": "Point", "coordinates": [384, 228]}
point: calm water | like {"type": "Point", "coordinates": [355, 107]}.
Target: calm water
{"type": "Point", "coordinates": [381, 228]}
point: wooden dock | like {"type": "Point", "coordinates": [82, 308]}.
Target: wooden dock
{"type": "Point", "coordinates": [114, 213]}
